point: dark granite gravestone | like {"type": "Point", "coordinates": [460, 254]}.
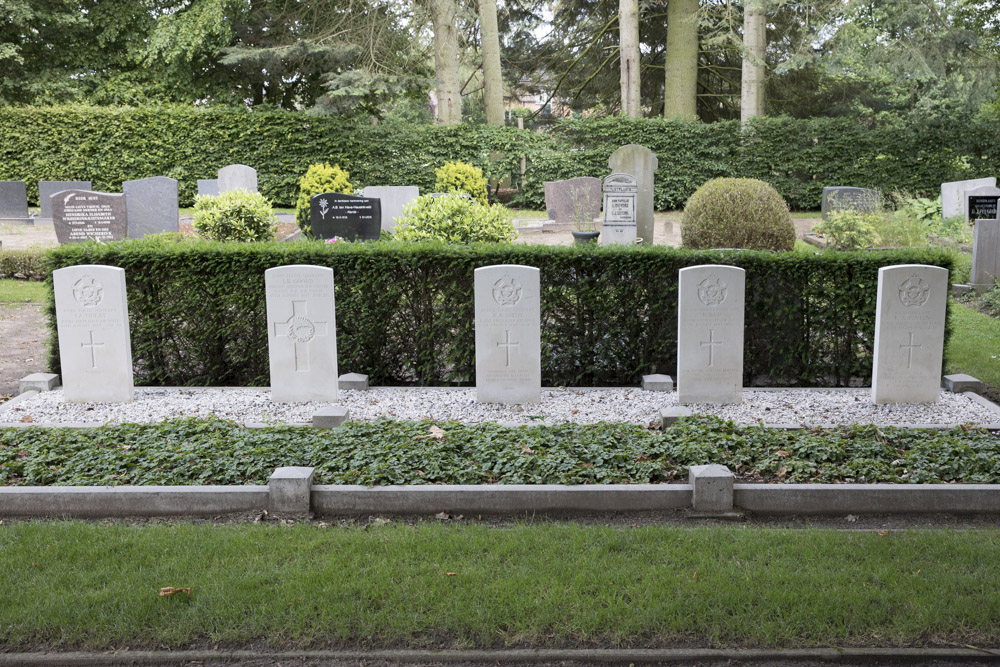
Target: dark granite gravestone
{"type": "Point", "coordinates": [82, 215]}
{"type": "Point", "coordinates": [345, 216]}
{"type": "Point", "coordinates": [13, 201]}
{"type": "Point", "coordinates": [152, 206]}
{"type": "Point", "coordinates": [850, 199]}
{"type": "Point", "coordinates": [573, 200]}
{"type": "Point", "coordinates": [48, 188]}
{"type": "Point", "coordinates": [981, 203]}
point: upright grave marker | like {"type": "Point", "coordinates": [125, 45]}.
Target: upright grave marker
{"type": "Point", "coordinates": [151, 204]}
{"type": "Point", "coordinates": [985, 255]}
{"type": "Point", "coordinates": [981, 203]}
{"type": "Point", "coordinates": [391, 199]}
{"type": "Point", "coordinates": [710, 334]}
{"type": "Point", "coordinates": [620, 225]}
{"type": "Point", "coordinates": [573, 200]}
{"type": "Point", "coordinates": [640, 162]}
{"type": "Point", "coordinates": [909, 333]}
{"type": "Point", "coordinates": [95, 349]}
{"type": "Point", "coordinates": [237, 177]}
{"type": "Point", "coordinates": [508, 334]}
{"type": "Point", "coordinates": [48, 188]}
{"type": "Point", "coordinates": [82, 215]}
{"type": "Point", "coordinates": [208, 187]}
{"type": "Point", "coordinates": [346, 216]}
{"type": "Point", "coordinates": [301, 333]}
{"type": "Point", "coordinates": [863, 200]}
{"type": "Point", "coordinates": [13, 201]}
{"type": "Point", "coordinates": [953, 195]}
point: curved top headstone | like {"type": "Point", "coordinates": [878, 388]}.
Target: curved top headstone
{"type": "Point", "coordinates": [237, 177]}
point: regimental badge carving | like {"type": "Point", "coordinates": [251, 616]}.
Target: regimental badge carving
{"type": "Point", "coordinates": [301, 330]}
{"type": "Point", "coordinates": [88, 292]}
{"type": "Point", "coordinates": [506, 291]}
{"type": "Point", "coordinates": [914, 292]}
{"type": "Point", "coordinates": [712, 291]}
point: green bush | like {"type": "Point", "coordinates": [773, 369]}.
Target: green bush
{"type": "Point", "coordinates": [405, 311]}
{"type": "Point", "coordinates": [25, 264]}
{"type": "Point", "coordinates": [737, 213]}
{"type": "Point", "coordinates": [850, 230]}
{"type": "Point", "coordinates": [454, 219]}
{"type": "Point", "coordinates": [461, 177]}
{"type": "Point", "coordinates": [319, 178]}
{"type": "Point", "coordinates": [236, 215]}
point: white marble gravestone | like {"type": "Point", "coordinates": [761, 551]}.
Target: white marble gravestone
{"type": "Point", "coordinates": [640, 162]}
{"type": "Point", "coordinates": [393, 199]}
{"type": "Point", "coordinates": [909, 333]}
{"type": "Point", "coordinates": [95, 349]}
{"type": "Point", "coordinates": [985, 255]}
{"type": "Point", "coordinates": [237, 177]}
{"type": "Point", "coordinates": [953, 195]}
{"type": "Point", "coordinates": [508, 334]}
{"type": "Point", "coordinates": [620, 226]}
{"type": "Point", "coordinates": [301, 333]}
{"type": "Point", "coordinates": [710, 334]}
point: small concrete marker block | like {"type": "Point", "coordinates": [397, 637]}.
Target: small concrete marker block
{"type": "Point", "coordinates": [958, 383]}
{"type": "Point", "coordinates": [669, 415]}
{"type": "Point", "coordinates": [959, 290]}
{"type": "Point", "coordinates": [713, 488]}
{"type": "Point", "coordinates": [355, 381]}
{"type": "Point", "coordinates": [657, 383]}
{"type": "Point", "coordinates": [290, 489]}
{"type": "Point", "coordinates": [331, 417]}
{"type": "Point", "coordinates": [38, 382]}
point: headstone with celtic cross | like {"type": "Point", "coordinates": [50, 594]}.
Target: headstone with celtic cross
{"type": "Point", "coordinates": [95, 350]}
{"type": "Point", "coordinates": [508, 334]}
{"type": "Point", "coordinates": [301, 333]}
{"type": "Point", "coordinates": [909, 333]}
{"type": "Point", "coordinates": [710, 334]}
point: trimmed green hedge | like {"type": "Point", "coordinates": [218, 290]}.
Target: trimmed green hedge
{"type": "Point", "coordinates": [24, 264]}
{"type": "Point", "coordinates": [798, 157]}
{"type": "Point", "coordinates": [405, 313]}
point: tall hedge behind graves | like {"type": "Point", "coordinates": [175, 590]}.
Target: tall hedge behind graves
{"type": "Point", "coordinates": [405, 313]}
{"type": "Point", "coordinates": [798, 157]}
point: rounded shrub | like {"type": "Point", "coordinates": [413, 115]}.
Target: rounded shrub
{"type": "Point", "coordinates": [319, 178]}
{"type": "Point", "coordinates": [454, 219]}
{"type": "Point", "coordinates": [236, 215]}
{"type": "Point", "coordinates": [461, 177]}
{"type": "Point", "coordinates": [737, 213]}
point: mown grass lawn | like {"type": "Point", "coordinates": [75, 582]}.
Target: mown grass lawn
{"type": "Point", "coordinates": [95, 585]}
{"type": "Point", "coordinates": [22, 291]}
{"type": "Point", "coordinates": [974, 347]}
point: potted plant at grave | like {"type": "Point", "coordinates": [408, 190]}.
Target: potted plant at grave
{"type": "Point", "coordinates": [583, 216]}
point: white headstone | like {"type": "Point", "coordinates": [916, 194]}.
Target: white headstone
{"type": "Point", "coordinates": [301, 333]}
{"type": "Point", "coordinates": [909, 333]}
{"type": "Point", "coordinates": [95, 350]}
{"type": "Point", "coordinates": [620, 226]}
{"type": "Point", "coordinates": [508, 334]}
{"type": "Point", "coordinates": [640, 162]}
{"type": "Point", "coordinates": [710, 334]}
{"type": "Point", "coordinates": [237, 177]}
{"type": "Point", "coordinates": [986, 255]}
{"type": "Point", "coordinates": [953, 195]}
{"type": "Point", "coordinates": [393, 199]}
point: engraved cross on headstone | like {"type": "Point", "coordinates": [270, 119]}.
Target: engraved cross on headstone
{"type": "Point", "coordinates": [711, 343]}
{"type": "Point", "coordinates": [93, 352]}
{"type": "Point", "coordinates": [909, 351]}
{"type": "Point", "coordinates": [300, 330]}
{"type": "Point", "coordinates": [507, 344]}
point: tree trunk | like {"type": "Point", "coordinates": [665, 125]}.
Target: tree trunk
{"type": "Point", "coordinates": [449, 92]}
{"type": "Point", "coordinates": [680, 90]}
{"type": "Point", "coordinates": [628, 31]}
{"type": "Point", "coordinates": [492, 80]}
{"type": "Point", "coordinates": [754, 44]}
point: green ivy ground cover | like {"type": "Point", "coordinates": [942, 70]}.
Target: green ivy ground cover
{"type": "Point", "coordinates": [203, 452]}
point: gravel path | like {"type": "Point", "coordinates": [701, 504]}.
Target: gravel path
{"type": "Point", "coordinates": [584, 406]}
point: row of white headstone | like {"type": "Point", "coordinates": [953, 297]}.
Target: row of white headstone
{"type": "Point", "coordinates": [96, 356]}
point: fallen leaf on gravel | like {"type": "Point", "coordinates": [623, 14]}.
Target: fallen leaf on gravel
{"type": "Point", "coordinates": [167, 591]}
{"type": "Point", "coordinates": [27, 418]}
{"type": "Point", "coordinates": [444, 516]}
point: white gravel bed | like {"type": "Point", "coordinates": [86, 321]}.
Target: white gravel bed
{"type": "Point", "coordinates": [584, 406]}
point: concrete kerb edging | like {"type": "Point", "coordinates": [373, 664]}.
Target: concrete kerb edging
{"type": "Point", "coordinates": [290, 491]}
{"type": "Point", "coordinates": [493, 657]}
